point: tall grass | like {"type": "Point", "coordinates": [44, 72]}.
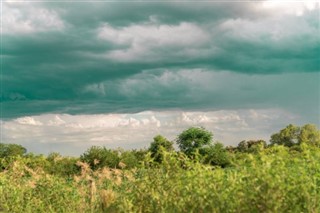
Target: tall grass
{"type": "Point", "coordinates": [272, 180]}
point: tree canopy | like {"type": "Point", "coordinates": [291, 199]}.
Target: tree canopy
{"type": "Point", "coordinates": [193, 139]}
{"type": "Point", "coordinates": [158, 145]}
{"type": "Point", "coordinates": [215, 155]}
{"type": "Point", "coordinates": [98, 157]}
{"type": "Point", "coordinates": [7, 150]}
{"type": "Point", "coordinates": [251, 145]}
{"type": "Point", "coordinates": [309, 134]}
{"type": "Point", "coordinates": [292, 135]}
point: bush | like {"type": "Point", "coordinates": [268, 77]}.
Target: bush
{"type": "Point", "coordinates": [62, 166]}
{"type": "Point", "coordinates": [99, 157]}
{"type": "Point", "coordinates": [159, 145]}
{"type": "Point", "coordinates": [215, 155]}
{"type": "Point", "coordinates": [129, 159]}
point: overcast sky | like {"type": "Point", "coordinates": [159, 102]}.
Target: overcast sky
{"type": "Point", "coordinates": [117, 73]}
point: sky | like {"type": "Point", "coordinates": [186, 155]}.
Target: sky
{"type": "Point", "coordinates": [117, 73]}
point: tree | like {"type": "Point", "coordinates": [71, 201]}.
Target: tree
{"type": "Point", "coordinates": [293, 135]}
{"type": "Point", "coordinates": [287, 136]}
{"type": "Point", "coordinates": [98, 157]}
{"type": "Point", "coordinates": [7, 150]}
{"type": "Point", "coordinates": [309, 134]}
{"type": "Point", "coordinates": [251, 145]}
{"type": "Point", "coordinates": [159, 145]}
{"type": "Point", "coordinates": [193, 139]}
{"type": "Point", "coordinates": [215, 155]}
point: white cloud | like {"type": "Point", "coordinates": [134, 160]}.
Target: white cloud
{"type": "Point", "coordinates": [72, 134]}
{"type": "Point", "coordinates": [28, 121]}
{"type": "Point", "coordinates": [154, 35]}
{"type": "Point", "coordinates": [56, 121]}
{"type": "Point", "coordinates": [142, 40]}
{"type": "Point", "coordinates": [297, 8]}
{"type": "Point", "coordinates": [271, 21]}
{"type": "Point", "coordinates": [25, 18]}
{"type": "Point", "coordinates": [271, 28]}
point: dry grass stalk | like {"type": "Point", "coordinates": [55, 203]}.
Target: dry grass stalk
{"type": "Point", "coordinates": [85, 170]}
{"type": "Point", "coordinates": [107, 198]}
{"type": "Point", "coordinates": [93, 192]}
{"type": "Point", "coordinates": [122, 165]}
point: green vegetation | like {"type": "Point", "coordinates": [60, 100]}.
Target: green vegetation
{"type": "Point", "coordinates": [159, 145]}
{"type": "Point", "coordinates": [9, 150]}
{"type": "Point", "coordinates": [99, 157]}
{"type": "Point", "coordinates": [194, 139]}
{"type": "Point", "coordinates": [292, 135]}
{"type": "Point", "coordinates": [203, 176]}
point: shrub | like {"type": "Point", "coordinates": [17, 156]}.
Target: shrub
{"type": "Point", "coordinates": [99, 157]}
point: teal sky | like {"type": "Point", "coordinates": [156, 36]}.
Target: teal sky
{"type": "Point", "coordinates": [123, 58]}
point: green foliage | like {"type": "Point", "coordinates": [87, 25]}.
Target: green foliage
{"type": "Point", "coordinates": [10, 150]}
{"type": "Point", "coordinates": [287, 136]}
{"type": "Point", "coordinates": [99, 157]}
{"type": "Point", "coordinates": [31, 160]}
{"type": "Point", "coordinates": [140, 154]}
{"type": "Point", "coordinates": [309, 134]}
{"type": "Point", "coordinates": [193, 139]}
{"type": "Point", "coordinates": [249, 178]}
{"type": "Point", "coordinates": [159, 145]}
{"type": "Point", "coordinates": [62, 166]}
{"type": "Point", "coordinates": [23, 189]}
{"type": "Point", "coordinates": [215, 155]}
{"type": "Point", "coordinates": [129, 159]}
{"type": "Point", "coordinates": [292, 135]}
{"type": "Point", "coordinates": [36, 161]}
{"type": "Point", "coordinates": [251, 146]}
{"type": "Point", "coordinates": [53, 156]}
{"type": "Point", "coordinates": [274, 180]}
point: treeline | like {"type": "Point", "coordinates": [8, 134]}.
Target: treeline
{"type": "Point", "coordinates": [195, 144]}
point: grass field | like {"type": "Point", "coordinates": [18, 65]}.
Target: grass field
{"type": "Point", "coordinates": [276, 179]}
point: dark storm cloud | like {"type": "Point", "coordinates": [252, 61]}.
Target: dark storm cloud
{"type": "Point", "coordinates": [98, 60]}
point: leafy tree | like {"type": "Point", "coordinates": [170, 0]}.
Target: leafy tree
{"type": "Point", "coordinates": [293, 135]}
{"type": "Point", "coordinates": [159, 145]}
{"type": "Point", "coordinates": [251, 145]}
{"type": "Point", "coordinates": [287, 136]}
{"type": "Point", "coordinates": [215, 155]}
{"type": "Point", "coordinates": [98, 157]}
{"type": "Point", "coordinates": [309, 134]}
{"type": "Point", "coordinates": [7, 150]}
{"type": "Point", "coordinates": [193, 139]}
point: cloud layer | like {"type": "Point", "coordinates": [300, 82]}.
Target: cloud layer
{"type": "Point", "coordinates": [72, 135]}
{"type": "Point", "coordinates": [51, 52]}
